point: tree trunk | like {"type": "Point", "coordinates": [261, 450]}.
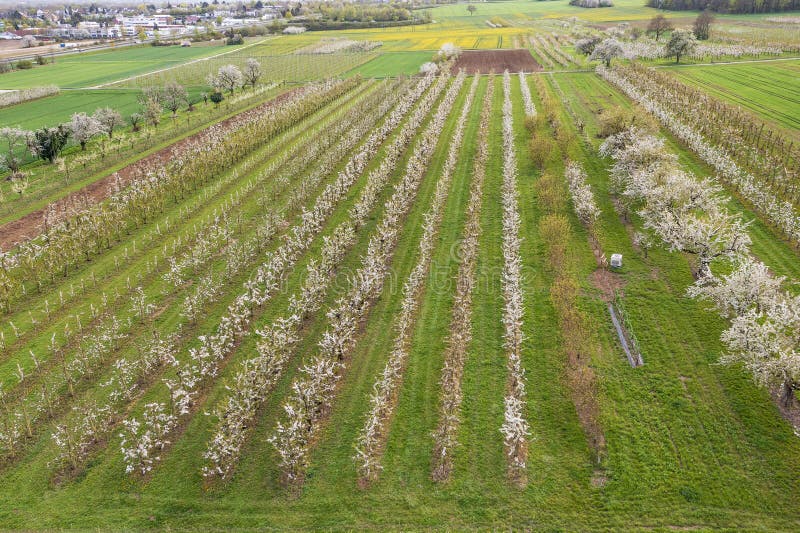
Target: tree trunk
{"type": "Point", "coordinates": [787, 394]}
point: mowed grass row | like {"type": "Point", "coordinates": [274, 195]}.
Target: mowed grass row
{"type": "Point", "coordinates": [60, 108]}
{"type": "Point", "coordinates": [768, 89]}
{"type": "Point", "coordinates": [287, 67]}
{"type": "Point", "coordinates": [390, 64]}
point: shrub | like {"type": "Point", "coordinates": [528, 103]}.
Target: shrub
{"type": "Point", "coordinates": [24, 64]}
{"type": "Point", "coordinates": [555, 230]}
{"type": "Point", "coordinates": [551, 195]}
{"type": "Point", "coordinates": [40, 60]}
{"type": "Point", "coordinates": [618, 119]}
{"type": "Point", "coordinates": [235, 39]}
{"type": "Point", "coordinates": [541, 148]}
{"type": "Point", "coordinates": [536, 122]}
{"type": "Point", "coordinates": [217, 97]}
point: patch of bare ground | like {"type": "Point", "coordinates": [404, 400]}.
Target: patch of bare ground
{"type": "Point", "coordinates": [607, 283]}
{"type": "Point", "coordinates": [29, 226]}
{"type": "Point", "coordinates": [497, 61]}
{"type": "Point", "coordinates": [598, 479]}
{"type": "Point", "coordinates": [789, 411]}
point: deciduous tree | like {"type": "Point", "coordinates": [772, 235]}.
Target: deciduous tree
{"type": "Point", "coordinates": [83, 128]}
{"type": "Point", "coordinates": [252, 72]}
{"type": "Point", "coordinates": [47, 143]}
{"type": "Point", "coordinates": [606, 51]}
{"type": "Point", "coordinates": [109, 119]}
{"type": "Point", "coordinates": [680, 43]}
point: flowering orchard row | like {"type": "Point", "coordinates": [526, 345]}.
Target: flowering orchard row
{"type": "Point", "coordinates": [372, 436]}
{"type": "Point", "coordinates": [253, 382]}
{"type": "Point", "coordinates": [767, 200]}
{"type": "Point", "coordinates": [143, 440]}
{"type": "Point", "coordinates": [87, 360]}
{"type": "Point", "coordinates": [313, 394]}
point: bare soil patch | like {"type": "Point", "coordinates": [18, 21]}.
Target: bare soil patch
{"type": "Point", "coordinates": [608, 283]}
{"type": "Point", "coordinates": [30, 225]}
{"type": "Point", "coordinates": [497, 61]}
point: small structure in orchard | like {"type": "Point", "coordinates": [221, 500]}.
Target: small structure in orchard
{"type": "Point", "coordinates": [616, 260]}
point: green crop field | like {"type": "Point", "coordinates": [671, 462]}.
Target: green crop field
{"type": "Point", "coordinates": [767, 89]}
{"type": "Point", "coordinates": [393, 64]}
{"type": "Point", "coordinates": [369, 299]}
{"type": "Point", "coordinates": [96, 68]}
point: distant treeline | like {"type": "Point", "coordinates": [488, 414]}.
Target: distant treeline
{"type": "Point", "coordinates": [727, 6]}
{"type": "Point", "coordinates": [321, 25]}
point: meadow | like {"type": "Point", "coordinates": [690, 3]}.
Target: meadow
{"type": "Point", "coordinates": [381, 301]}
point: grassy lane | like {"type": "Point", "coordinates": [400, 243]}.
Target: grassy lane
{"type": "Point", "coordinates": [86, 70]}
{"type": "Point", "coordinates": [409, 443]}
{"type": "Point", "coordinates": [560, 462]}
{"type": "Point", "coordinates": [480, 462]}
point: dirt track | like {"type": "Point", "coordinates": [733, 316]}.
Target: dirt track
{"type": "Point", "coordinates": [497, 61]}
{"type": "Point", "coordinates": [30, 225]}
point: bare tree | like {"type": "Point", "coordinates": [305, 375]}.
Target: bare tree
{"type": "Point", "coordinates": [702, 25]}
{"type": "Point", "coordinates": [658, 25]}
